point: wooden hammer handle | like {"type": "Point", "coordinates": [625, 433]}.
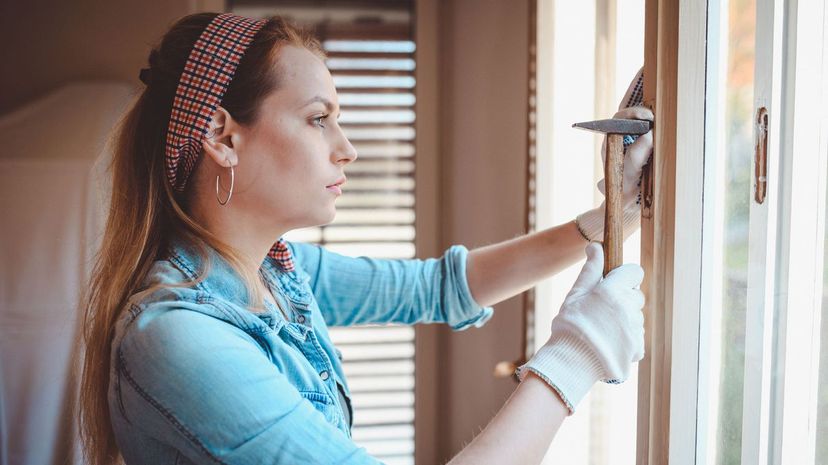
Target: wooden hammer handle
{"type": "Point", "coordinates": [614, 207]}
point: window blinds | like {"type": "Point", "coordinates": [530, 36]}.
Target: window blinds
{"type": "Point", "coordinates": [370, 51]}
{"type": "Point", "coordinates": [375, 217]}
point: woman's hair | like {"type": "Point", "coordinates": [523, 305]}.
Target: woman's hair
{"type": "Point", "coordinates": [145, 212]}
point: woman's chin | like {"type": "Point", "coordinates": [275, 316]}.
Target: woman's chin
{"type": "Point", "coordinates": [325, 218]}
{"type": "Point", "coordinates": [331, 215]}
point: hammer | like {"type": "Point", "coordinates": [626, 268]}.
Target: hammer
{"type": "Point", "coordinates": [615, 130]}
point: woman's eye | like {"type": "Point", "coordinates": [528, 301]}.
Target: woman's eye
{"type": "Point", "coordinates": [318, 121]}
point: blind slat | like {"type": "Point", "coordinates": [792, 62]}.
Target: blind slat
{"type": "Point", "coordinates": [351, 54]}
{"type": "Point", "coordinates": [373, 334]}
{"type": "Point", "coordinates": [386, 216]}
{"type": "Point", "coordinates": [369, 433]}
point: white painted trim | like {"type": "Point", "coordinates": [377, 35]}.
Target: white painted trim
{"type": "Point", "coordinates": [688, 249]}
{"type": "Point", "coordinates": [710, 321]}
{"type": "Point", "coordinates": [802, 226]}
{"type": "Point", "coordinates": [762, 241]}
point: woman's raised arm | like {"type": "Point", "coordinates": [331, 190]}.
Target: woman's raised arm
{"type": "Point", "coordinates": [597, 335]}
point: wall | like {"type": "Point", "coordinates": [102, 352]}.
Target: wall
{"type": "Point", "coordinates": [484, 61]}
{"type": "Point", "coordinates": [58, 41]}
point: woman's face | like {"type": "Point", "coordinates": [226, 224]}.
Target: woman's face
{"type": "Point", "coordinates": [295, 151]}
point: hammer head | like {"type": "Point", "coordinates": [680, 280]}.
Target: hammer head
{"type": "Point", "coordinates": [617, 126]}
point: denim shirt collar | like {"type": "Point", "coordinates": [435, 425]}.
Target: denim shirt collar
{"type": "Point", "coordinates": [223, 281]}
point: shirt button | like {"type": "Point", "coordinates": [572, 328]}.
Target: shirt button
{"type": "Point", "coordinates": [300, 318]}
{"type": "Point", "coordinates": [324, 375]}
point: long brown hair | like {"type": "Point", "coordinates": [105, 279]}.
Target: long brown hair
{"type": "Point", "coordinates": [144, 211]}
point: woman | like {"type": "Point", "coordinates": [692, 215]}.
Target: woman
{"type": "Point", "coordinates": [208, 343]}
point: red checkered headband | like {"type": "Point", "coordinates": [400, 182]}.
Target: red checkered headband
{"type": "Point", "coordinates": [203, 82]}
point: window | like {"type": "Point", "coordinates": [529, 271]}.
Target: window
{"type": "Point", "coordinates": [735, 245]}
{"type": "Point", "coordinates": [370, 51]}
{"type": "Point", "coordinates": [572, 84]}
{"type": "Point", "coordinates": [797, 414]}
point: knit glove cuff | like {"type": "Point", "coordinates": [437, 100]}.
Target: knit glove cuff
{"type": "Point", "coordinates": [568, 364]}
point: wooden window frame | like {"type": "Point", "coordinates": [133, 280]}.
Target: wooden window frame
{"type": "Point", "coordinates": [779, 388]}
{"type": "Point", "coordinates": [674, 69]}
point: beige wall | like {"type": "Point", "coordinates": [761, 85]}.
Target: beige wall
{"type": "Point", "coordinates": [49, 42]}
{"type": "Point", "coordinates": [484, 61]}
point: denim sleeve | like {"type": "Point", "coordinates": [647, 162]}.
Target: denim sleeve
{"type": "Point", "coordinates": [362, 290]}
{"type": "Point", "coordinates": [208, 390]}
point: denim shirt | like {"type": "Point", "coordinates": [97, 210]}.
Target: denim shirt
{"type": "Point", "coordinates": [198, 378]}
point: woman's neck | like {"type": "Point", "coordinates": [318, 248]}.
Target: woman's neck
{"type": "Point", "coordinates": [249, 235]}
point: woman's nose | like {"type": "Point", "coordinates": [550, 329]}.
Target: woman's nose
{"type": "Point", "coordinates": [346, 153]}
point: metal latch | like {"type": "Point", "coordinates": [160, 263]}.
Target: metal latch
{"type": "Point", "coordinates": [761, 156]}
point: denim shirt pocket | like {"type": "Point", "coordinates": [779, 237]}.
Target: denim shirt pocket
{"type": "Point", "coordinates": [323, 403]}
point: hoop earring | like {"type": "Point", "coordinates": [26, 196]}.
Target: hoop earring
{"type": "Point", "coordinates": [230, 193]}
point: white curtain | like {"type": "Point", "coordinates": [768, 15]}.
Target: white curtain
{"type": "Point", "coordinates": [53, 195]}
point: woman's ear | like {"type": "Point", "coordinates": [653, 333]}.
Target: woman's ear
{"type": "Point", "coordinates": [218, 142]}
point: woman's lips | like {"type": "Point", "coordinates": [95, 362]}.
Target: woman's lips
{"type": "Point", "coordinates": [336, 187]}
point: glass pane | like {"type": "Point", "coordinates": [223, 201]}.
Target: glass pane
{"type": "Point", "coordinates": [822, 393]}
{"type": "Point", "coordinates": [735, 91]}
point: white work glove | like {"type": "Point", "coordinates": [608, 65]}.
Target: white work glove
{"type": "Point", "coordinates": [591, 223]}
{"type": "Point", "coordinates": [598, 333]}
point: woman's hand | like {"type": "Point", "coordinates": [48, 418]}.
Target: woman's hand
{"type": "Point", "coordinates": [591, 223]}
{"type": "Point", "coordinates": [636, 155]}
{"type": "Point", "coordinates": [598, 333]}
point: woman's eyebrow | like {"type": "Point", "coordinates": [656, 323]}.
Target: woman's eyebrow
{"type": "Point", "coordinates": [328, 104]}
